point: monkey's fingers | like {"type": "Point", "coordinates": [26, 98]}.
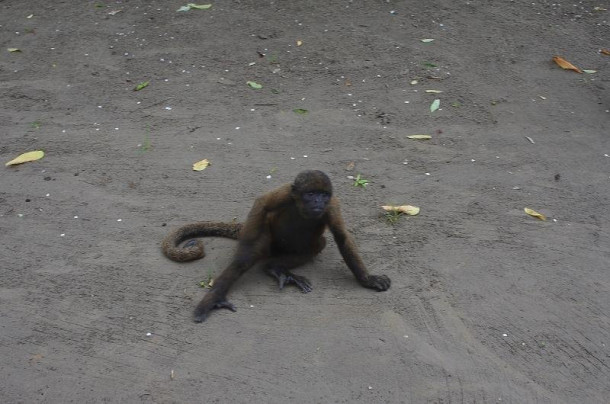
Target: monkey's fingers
{"type": "Point", "coordinates": [200, 316]}
{"type": "Point", "coordinates": [378, 282]}
{"type": "Point", "coordinates": [300, 281]}
{"type": "Point", "coordinates": [225, 304]}
{"type": "Point", "coordinates": [203, 310]}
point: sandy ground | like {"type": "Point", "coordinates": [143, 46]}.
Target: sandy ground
{"type": "Point", "coordinates": [487, 303]}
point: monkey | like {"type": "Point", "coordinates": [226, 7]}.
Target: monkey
{"type": "Point", "coordinates": [284, 229]}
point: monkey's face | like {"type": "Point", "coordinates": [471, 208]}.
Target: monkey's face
{"type": "Point", "coordinates": [313, 204]}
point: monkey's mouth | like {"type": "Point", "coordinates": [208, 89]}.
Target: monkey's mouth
{"type": "Point", "coordinates": [316, 213]}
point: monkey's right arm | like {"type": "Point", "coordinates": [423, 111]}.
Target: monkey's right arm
{"type": "Point", "coordinates": [349, 252]}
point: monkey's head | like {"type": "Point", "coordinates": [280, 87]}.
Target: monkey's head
{"type": "Point", "coordinates": [311, 192]}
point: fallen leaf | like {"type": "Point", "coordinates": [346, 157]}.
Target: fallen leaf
{"type": "Point", "coordinates": [201, 165]}
{"type": "Point", "coordinates": [141, 86]}
{"type": "Point", "coordinates": [435, 105]}
{"type": "Point", "coordinates": [13, 50]}
{"type": "Point", "coordinates": [26, 157]}
{"type": "Point", "coordinates": [413, 82]}
{"type": "Point", "coordinates": [535, 214]}
{"type": "Point", "coordinates": [433, 91]}
{"type": "Point", "coordinates": [195, 6]}
{"type": "Point", "coordinates": [350, 166]}
{"type": "Point", "coordinates": [605, 52]}
{"type": "Point", "coordinates": [564, 64]}
{"type": "Point", "coordinates": [589, 71]}
{"type": "Point", "coordinates": [254, 85]}
{"type": "Point", "coordinates": [406, 209]}
{"type": "Point", "coordinates": [300, 111]}
{"type": "Point", "coordinates": [114, 12]}
{"type": "Point", "coordinates": [420, 137]}
{"type": "Point", "coordinates": [427, 40]}
{"type": "Point", "coordinates": [199, 6]}
{"type": "Point", "coordinates": [299, 43]}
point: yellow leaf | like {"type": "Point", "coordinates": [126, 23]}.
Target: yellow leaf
{"type": "Point", "coordinates": [299, 43]}
{"type": "Point", "coordinates": [201, 165]}
{"type": "Point", "coordinates": [420, 137]}
{"type": "Point", "coordinates": [535, 214]}
{"type": "Point", "coordinates": [406, 209]}
{"type": "Point", "coordinates": [13, 50]}
{"type": "Point", "coordinates": [433, 91]}
{"type": "Point", "coordinates": [26, 157]}
{"type": "Point", "coordinates": [564, 64]}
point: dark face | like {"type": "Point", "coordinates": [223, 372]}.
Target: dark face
{"type": "Point", "coordinates": [313, 204]}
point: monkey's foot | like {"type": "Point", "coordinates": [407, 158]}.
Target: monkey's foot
{"type": "Point", "coordinates": [377, 282]}
{"type": "Point", "coordinates": [286, 278]}
{"type": "Point", "coordinates": [203, 309]}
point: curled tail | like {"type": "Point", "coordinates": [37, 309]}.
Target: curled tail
{"type": "Point", "coordinates": [194, 248]}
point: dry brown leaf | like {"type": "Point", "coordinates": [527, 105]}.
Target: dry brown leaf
{"type": "Point", "coordinates": [26, 157]}
{"type": "Point", "coordinates": [535, 214]}
{"type": "Point", "coordinates": [201, 165]}
{"type": "Point", "coordinates": [406, 209]}
{"type": "Point", "coordinates": [350, 166]}
{"type": "Point", "coordinates": [605, 52]}
{"type": "Point", "coordinates": [564, 64]}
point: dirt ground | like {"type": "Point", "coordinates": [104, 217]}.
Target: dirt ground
{"type": "Point", "coordinates": [487, 303]}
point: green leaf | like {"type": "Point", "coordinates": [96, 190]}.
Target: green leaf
{"type": "Point", "coordinates": [435, 104]}
{"type": "Point", "coordinates": [300, 111]}
{"type": "Point", "coordinates": [254, 85]}
{"type": "Point", "coordinates": [428, 64]}
{"type": "Point", "coordinates": [184, 8]}
{"type": "Point", "coordinates": [141, 86]}
{"type": "Point", "coordinates": [199, 6]}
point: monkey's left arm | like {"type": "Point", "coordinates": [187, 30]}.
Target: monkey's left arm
{"type": "Point", "coordinates": [348, 250]}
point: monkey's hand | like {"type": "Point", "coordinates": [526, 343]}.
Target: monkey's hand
{"type": "Point", "coordinates": [211, 301]}
{"type": "Point", "coordinates": [377, 282]}
{"type": "Point", "coordinates": [286, 278]}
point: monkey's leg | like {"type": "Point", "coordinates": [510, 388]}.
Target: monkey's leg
{"type": "Point", "coordinates": [216, 298]}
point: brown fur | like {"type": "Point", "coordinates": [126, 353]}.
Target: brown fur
{"type": "Point", "coordinates": [284, 226]}
{"type": "Point", "coordinates": [171, 243]}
